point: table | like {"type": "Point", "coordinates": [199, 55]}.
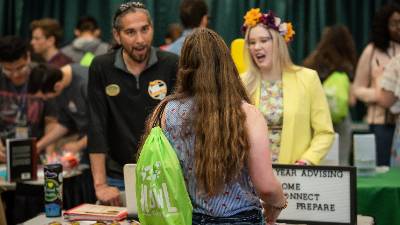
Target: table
{"type": "Point", "coordinates": [42, 219]}
{"type": "Point", "coordinates": [40, 176]}
{"type": "Point", "coordinates": [379, 196]}
{"type": "Point", "coordinates": [25, 199]}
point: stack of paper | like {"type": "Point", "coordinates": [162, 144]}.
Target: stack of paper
{"type": "Point", "coordinates": [96, 212]}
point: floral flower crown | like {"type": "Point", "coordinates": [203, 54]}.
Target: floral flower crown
{"type": "Point", "coordinates": [254, 17]}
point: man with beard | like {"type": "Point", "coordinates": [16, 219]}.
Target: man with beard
{"type": "Point", "coordinates": [124, 87]}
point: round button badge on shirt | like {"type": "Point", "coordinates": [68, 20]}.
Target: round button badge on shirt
{"type": "Point", "coordinates": [157, 89]}
{"type": "Point", "coordinates": [112, 90]}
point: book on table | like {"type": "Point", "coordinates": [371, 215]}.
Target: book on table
{"type": "Point", "coordinates": [96, 212]}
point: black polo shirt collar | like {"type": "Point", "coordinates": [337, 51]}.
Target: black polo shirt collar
{"type": "Point", "coordinates": [120, 64]}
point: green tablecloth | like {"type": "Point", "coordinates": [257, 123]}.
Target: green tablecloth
{"type": "Point", "coordinates": [379, 197]}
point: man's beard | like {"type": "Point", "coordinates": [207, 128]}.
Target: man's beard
{"type": "Point", "coordinates": [139, 58]}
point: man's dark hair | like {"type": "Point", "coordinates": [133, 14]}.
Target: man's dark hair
{"type": "Point", "coordinates": [126, 8]}
{"type": "Point", "coordinates": [191, 12]}
{"type": "Point", "coordinates": [87, 23]}
{"type": "Point", "coordinates": [43, 78]}
{"type": "Point", "coordinates": [380, 35]}
{"type": "Point", "coordinates": [13, 48]}
{"type": "Point", "coordinates": [50, 27]}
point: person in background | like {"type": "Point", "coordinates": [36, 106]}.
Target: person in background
{"type": "Point", "coordinates": [221, 140]}
{"type": "Point", "coordinates": [87, 43]}
{"type": "Point", "coordinates": [384, 45]}
{"type": "Point", "coordinates": [68, 86]}
{"type": "Point", "coordinates": [388, 97]}
{"type": "Point", "coordinates": [335, 60]}
{"type": "Point", "coordinates": [290, 97]}
{"type": "Point", "coordinates": [70, 93]}
{"type": "Point", "coordinates": [46, 37]}
{"type": "Point", "coordinates": [174, 32]}
{"type": "Point", "coordinates": [193, 14]}
{"type": "Point", "coordinates": [22, 114]}
{"type": "Point", "coordinates": [124, 87]}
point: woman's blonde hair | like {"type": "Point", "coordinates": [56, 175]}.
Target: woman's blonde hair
{"type": "Point", "coordinates": [280, 59]}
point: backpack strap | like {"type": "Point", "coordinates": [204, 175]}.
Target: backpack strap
{"type": "Point", "coordinates": [158, 112]}
{"type": "Point", "coordinates": [87, 59]}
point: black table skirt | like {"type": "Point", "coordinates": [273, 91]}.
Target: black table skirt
{"type": "Point", "coordinates": [29, 199]}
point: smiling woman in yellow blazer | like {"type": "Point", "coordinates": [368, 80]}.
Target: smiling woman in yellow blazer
{"type": "Point", "coordinates": [290, 97]}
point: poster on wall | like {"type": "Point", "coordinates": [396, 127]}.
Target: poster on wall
{"type": "Point", "coordinates": [318, 194]}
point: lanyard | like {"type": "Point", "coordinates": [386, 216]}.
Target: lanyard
{"type": "Point", "coordinates": [21, 119]}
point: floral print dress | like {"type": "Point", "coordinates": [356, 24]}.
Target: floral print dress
{"type": "Point", "coordinates": [271, 106]}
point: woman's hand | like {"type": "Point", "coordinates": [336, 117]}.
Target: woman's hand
{"type": "Point", "coordinates": [271, 212]}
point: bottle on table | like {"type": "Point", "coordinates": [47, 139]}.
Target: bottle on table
{"type": "Point", "coordinates": [53, 180]}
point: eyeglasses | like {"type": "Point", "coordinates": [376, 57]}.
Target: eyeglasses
{"type": "Point", "coordinates": [19, 70]}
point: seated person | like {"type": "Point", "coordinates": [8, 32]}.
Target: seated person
{"type": "Point", "coordinates": [21, 113]}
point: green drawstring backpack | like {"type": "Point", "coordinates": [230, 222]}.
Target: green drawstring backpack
{"type": "Point", "coordinates": [160, 186]}
{"type": "Point", "coordinates": [336, 88]}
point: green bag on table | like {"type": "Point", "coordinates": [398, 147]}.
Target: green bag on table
{"type": "Point", "coordinates": [161, 192]}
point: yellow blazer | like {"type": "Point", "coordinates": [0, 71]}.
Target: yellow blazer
{"type": "Point", "coordinates": [307, 131]}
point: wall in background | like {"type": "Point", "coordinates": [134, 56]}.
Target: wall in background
{"type": "Point", "coordinates": [309, 17]}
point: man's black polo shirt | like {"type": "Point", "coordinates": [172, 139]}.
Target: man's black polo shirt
{"type": "Point", "coordinates": [119, 104]}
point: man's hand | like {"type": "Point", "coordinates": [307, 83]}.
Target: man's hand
{"type": "Point", "coordinates": [108, 195]}
{"type": "Point", "coordinates": [72, 147]}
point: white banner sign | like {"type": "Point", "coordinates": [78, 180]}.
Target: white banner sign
{"type": "Point", "coordinates": [318, 194]}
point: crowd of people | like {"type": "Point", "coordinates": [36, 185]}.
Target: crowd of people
{"type": "Point", "coordinates": [226, 128]}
